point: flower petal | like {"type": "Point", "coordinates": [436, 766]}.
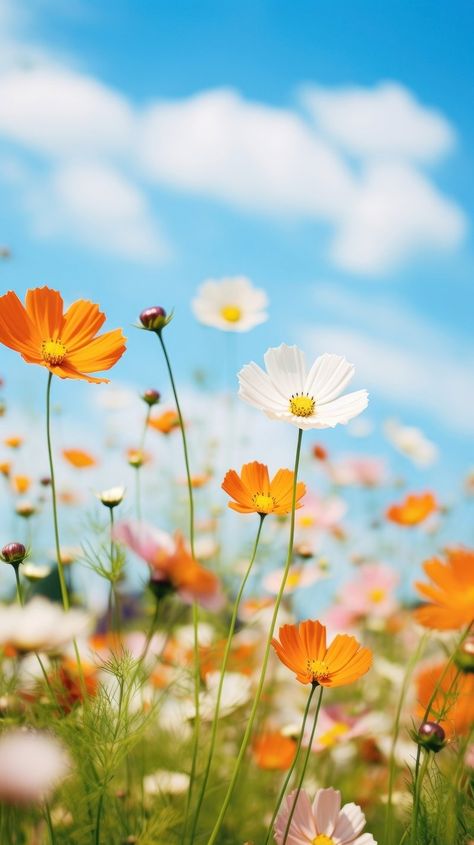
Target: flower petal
{"type": "Point", "coordinates": [287, 369]}
{"type": "Point", "coordinates": [82, 321]}
{"type": "Point", "coordinates": [350, 822]}
{"type": "Point", "coordinates": [302, 829]}
{"type": "Point", "coordinates": [326, 806]}
{"type": "Point", "coordinates": [343, 409]}
{"type": "Point", "coordinates": [45, 308]}
{"type": "Point", "coordinates": [328, 377]}
{"type": "Point", "coordinates": [100, 354]}
{"type": "Point", "coordinates": [17, 330]}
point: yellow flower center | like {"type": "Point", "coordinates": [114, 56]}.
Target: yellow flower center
{"type": "Point", "coordinates": [293, 579]}
{"type": "Point", "coordinates": [322, 839]}
{"type": "Point", "coordinates": [331, 736]}
{"type": "Point", "coordinates": [318, 669]}
{"type": "Point", "coordinates": [306, 520]}
{"type": "Point", "coordinates": [377, 595]}
{"type": "Point", "coordinates": [302, 405]}
{"type": "Point", "coordinates": [263, 504]}
{"type": "Point", "coordinates": [231, 313]}
{"type": "Point", "coordinates": [53, 351]}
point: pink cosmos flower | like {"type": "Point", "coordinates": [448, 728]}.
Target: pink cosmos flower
{"type": "Point", "coordinates": [358, 470]}
{"type": "Point", "coordinates": [371, 592]}
{"type": "Point", "coordinates": [299, 576]}
{"type": "Point", "coordinates": [317, 512]}
{"type": "Point", "coordinates": [31, 765]}
{"type": "Point", "coordinates": [323, 822]}
{"type": "Point", "coordinates": [171, 563]}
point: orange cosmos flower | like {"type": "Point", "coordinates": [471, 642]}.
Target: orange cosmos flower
{"type": "Point", "coordinates": [21, 483]}
{"type": "Point", "coordinates": [66, 344]}
{"type": "Point", "coordinates": [303, 649]}
{"type": "Point", "coordinates": [453, 705]}
{"type": "Point", "coordinates": [253, 492]}
{"type": "Point", "coordinates": [5, 467]}
{"type": "Point", "coordinates": [415, 508]}
{"type": "Point", "coordinates": [166, 422]}
{"type": "Point", "coordinates": [451, 593]}
{"type": "Point", "coordinates": [15, 441]}
{"type": "Point", "coordinates": [274, 751]}
{"type": "Point", "coordinates": [78, 458]}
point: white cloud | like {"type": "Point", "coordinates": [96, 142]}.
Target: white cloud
{"type": "Point", "coordinates": [396, 213]}
{"type": "Point", "coordinates": [249, 154]}
{"type": "Point", "coordinates": [273, 161]}
{"type": "Point", "coordinates": [62, 113]}
{"type": "Point", "coordinates": [93, 204]}
{"type": "Point", "coordinates": [399, 356]}
{"type": "Point", "coordinates": [385, 120]}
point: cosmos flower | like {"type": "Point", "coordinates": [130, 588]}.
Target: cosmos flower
{"type": "Point", "coordinates": [41, 625]}
{"type": "Point", "coordinates": [236, 691]}
{"type": "Point", "coordinates": [302, 648]}
{"type": "Point", "coordinates": [79, 458]}
{"type": "Point", "coordinates": [31, 766]}
{"type": "Point", "coordinates": [371, 592]}
{"type": "Point", "coordinates": [274, 751]}
{"type": "Point", "coordinates": [65, 343]}
{"type": "Point", "coordinates": [230, 304]}
{"type": "Point", "coordinates": [415, 508]}
{"type": "Point", "coordinates": [411, 442]}
{"type": "Point", "coordinates": [253, 492]}
{"type": "Point", "coordinates": [15, 441]}
{"type": "Point", "coordinates": [321, 513]}
{"type": "Point", "coordinates": [21, 483]}
{"type": "Point", "coordinates": [323, 822]}
{"type": "Point", "coordinates": [163, 782]}
{"type": "Point", "coordinates": [298, 577]}
{"type": "Point", "coordinates": [165, 422]}
{"type": "Point", "coordinates": [111, 497]}
{"type": "Point", "coordinates": [357, 471]}
{"type": "Point", "coordinates": [289, 392]}
{"type": "Point", "coordinates": [171, 563]}
{"type": "Point", "coordinates": [451, 592]}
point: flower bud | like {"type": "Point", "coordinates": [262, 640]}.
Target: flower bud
{"type": "Point", "coordinates": [112, 497]}
{"type": "Point", "coordinates": [45, 481]}
{"type": "Point", "coordinates": [25, 509]}
{"type": "Point", "coordinates": [431, 736]}
{"type": "Point", "coordinates": [319, 452]}
{"type": "Point", "coordinates": [13, 553]}
{"type": "Point", "coordinates": [154, 318]}
{"type": "Point", "coordinates": [151, 397]}
{"type": "Point", "coordinates": [464, 657]}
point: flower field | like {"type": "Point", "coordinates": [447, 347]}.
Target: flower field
{"type": "Point", "coordinates": [212, 651]}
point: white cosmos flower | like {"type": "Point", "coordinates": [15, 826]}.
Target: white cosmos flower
{"type": "Point", "coordinates": [111, 497]}
{"type": "Point", "coordinates": [41, 625]}
{"type": "Point", "coordinates": [289, 392]}
{"type": "Point", "coordinates": [236, 691]}
{"type": "Point", "coordinates": [411, 442]}
{"type": "Point", "coordinates": [163, 781]}
{"type": "Point", "coordinates": [231, 304]}
{"type": "Point", "coordinates": [31, 765]}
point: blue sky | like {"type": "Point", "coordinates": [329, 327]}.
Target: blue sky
{"type": "Point", "coordinates": [146, 147]}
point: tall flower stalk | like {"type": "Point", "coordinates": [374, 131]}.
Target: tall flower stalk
{"type": "Point", "coordinates": [253, 712]}
{"type": "Point", "coordinates": [225, 659]}
{"type": "Point", "coordinates": [62, 579]}
{"type": "Point", "coordinates": [155, 319]}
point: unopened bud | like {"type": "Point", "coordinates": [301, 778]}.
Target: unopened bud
{"type": "Point", "coordinates": [431, 736]}
{"type": "Point", "coordinates": [154, 318]}
{"type": "Point", "coordinates": [13, 553]}
{"type": "Point", "coordinates": [151, 397]}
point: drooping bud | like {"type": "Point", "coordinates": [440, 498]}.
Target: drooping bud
{"type": "Point", "coordinates": [13, 553]}
{"type": "Point", "coordinates": [431, 736]}
{"type": "Point", "coordinates": [151, 397]}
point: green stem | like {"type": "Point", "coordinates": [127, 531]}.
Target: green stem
{"type": "Point", "coordinates": [138, 468]}
{"type": "Point", "coordinates": [19, 589]}
{"type": "Point", "coordinates": [62, 580]}
{"type": "Point", "coordinates": [105, 781]}
{"type": "Point", "coordinates": [49, 822]}
{"type": "Point", "coordinates": [197, 675]}
{"type": "Point", "coordinates": [406, 682]}
{"type": "Point", "coordinates": [305, 765]}
{"type": "Point", "coordinates": [114, 602]}
{"type": "Point", "coordinates": [418, 787]}
{"type": "Point", "coordinates": [292, 768]}
{"type": "Point", "coordinates": [225, 659]}
{"type": "Point", "coordinates": [258, 694]}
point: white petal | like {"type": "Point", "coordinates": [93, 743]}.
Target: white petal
{"type": "Point", "coordinates": [328, 377]}
{"type": "Point", "coordinates": [350, 822]}
{"type": "Point", "coordinates": [287, 369]}
{"type": "Point", "coordinates": [257, 389]}
{"type": "Point", "coordinates": [341, 410]}
{"type": "Point", "coordinates": [365, 839]}
{"type": "Point", "coordinates": [326, 806]}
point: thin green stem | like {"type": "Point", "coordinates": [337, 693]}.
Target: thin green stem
{"type": "Point", "coordinates": [114, 601]}
{"type": "Point", "coordinates": [418, 788]}
{"type": "Point", "coordinates": [62, 580]}
{"type": "Point", "coordinates": [197, 675]}
{"type": "Point", "coordinates": [105, 781]}
{"type": "Point", "coordinates": [396, 729]}
{"type": "Point", "coordinates": [305, 765]}
{"type": "Point", "coordinates": [138, 468]}
{"type": "Point", "coordinates": [225, 659]}
{"type": "Point", "coordinates": [49, 822]}
{"type": "Point", "coordinates": [19, 588]}
{"type": "Point", "coordinates": [248, 731]}
{"type": "Point", "coordinates": [293, 765]}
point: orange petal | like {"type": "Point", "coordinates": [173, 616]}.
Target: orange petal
{"type": "Point", "coordinates": [45, 308]}
{"type": "Point", "coordinates": [82, 321]}
{"type": "Point", "coordinates": [100, 354]}
{"type": "Point", "coordinates": [17, 330]}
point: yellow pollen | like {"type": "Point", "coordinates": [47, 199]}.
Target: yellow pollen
{"type": "Point", "coordinates": [53, 352]}
{"type": "Point", "coordinates": [231, 313]}
{"type": "Point", "coordinates": [322, 839]}
{"type": "Point", "coordinates": [329, 738]}
{"type": "Point", "coordinates": [377, 595]}
{"type": "Point", "coordinates": [302, 405]}
{"type": "Point", "coordinates": [263, 504]}
{"type": "Point", "coordinates": [318, 669]}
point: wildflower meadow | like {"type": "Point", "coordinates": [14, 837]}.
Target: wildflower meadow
{"type": "Point", "coordinates": [159, 680]}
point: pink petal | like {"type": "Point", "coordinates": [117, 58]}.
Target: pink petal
{"type": "Point", "coordinates": [326, 806]}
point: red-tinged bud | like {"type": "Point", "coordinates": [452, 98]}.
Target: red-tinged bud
{"type": "Point", "coordinates": [431, 736]}
{"type": "Point", "coordinates": [155, 318]}
{"type": "Point", "coordinates": [151, 397]}
{"type": "Point", "coordinates": [13, 553]}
